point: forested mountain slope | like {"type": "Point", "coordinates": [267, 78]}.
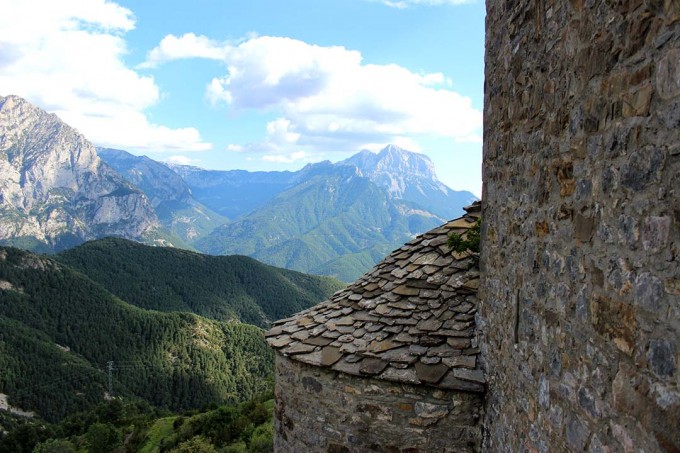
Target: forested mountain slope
{"type": "Point", "coordinates": [218, 287]}
{"type": "Point", "coordinates": [336, 222]}
{"type": "Point", "coordinates": [58, 330]}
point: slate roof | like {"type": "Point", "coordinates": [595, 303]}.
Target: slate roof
{"type": "Point", "coordinates": [410, 319]}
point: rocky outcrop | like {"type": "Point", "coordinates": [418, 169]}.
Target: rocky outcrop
{"type": "Point", "coordinates": [55, 192]}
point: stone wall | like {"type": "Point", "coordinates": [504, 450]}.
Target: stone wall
{"type": "Point", "coordinates": [580, 291]}
{"type": "Point", "coordinates": [320, 410]}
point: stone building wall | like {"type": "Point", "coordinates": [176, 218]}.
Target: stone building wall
{"type": "Point", "coordinates": [580, 288]}
{"type": "Point", "coordinates": [321, 410]}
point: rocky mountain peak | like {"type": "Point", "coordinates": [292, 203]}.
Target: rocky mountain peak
{"type": "Point", "coordinates": [405, 174]}
{"type": "Point", "coordinates": [55, 190]}
{"type": "Point", "coordinates": [393, 160]}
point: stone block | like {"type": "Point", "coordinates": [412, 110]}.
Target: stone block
{"type": "Point", "coordinates": [584, 228]}
{"type": "Point", "coordinates": [662, 357]}
{"type": "Point", "coordinates": [668, 75]}
{"type": "Point", "coordinates": [615, 320]}
{"type": "Point", "coordinates": [638, 102]}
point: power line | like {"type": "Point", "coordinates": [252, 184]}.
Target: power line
{"type": "Point", "coordinates": [110, 370]}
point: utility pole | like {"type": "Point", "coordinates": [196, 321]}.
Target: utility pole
{"type": "Point", "coordinates": [110, 368]}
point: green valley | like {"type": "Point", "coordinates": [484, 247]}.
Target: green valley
{"type": "Point", "coordinates": [59, 328]}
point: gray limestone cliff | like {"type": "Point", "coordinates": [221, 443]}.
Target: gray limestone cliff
{"type": "Point", "coordinates": [55, 191]}
{"type": "Point", "coordinates": [409, 176]}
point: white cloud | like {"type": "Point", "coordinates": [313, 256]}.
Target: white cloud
{"type": "Point", "coordinates": [297, 156]}
{"type": "Point", "coordinates": [235, 148]}
{"type": "Point", "coordinates": [180, 160]}
{"type": "Point", "coordinates": [188, 46]}
{"type": "Point", "coordinates": [327, 98]}
{"type": "Point", "coordinates": [67, 57]}
{"type": "Point", "coordinates": [401, 4]}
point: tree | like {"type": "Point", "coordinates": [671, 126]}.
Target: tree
{"type": "Point", "coordinates": [103, 437]}
{"type": "Point", "coordinates": [55, 446]}
{"type": "Point", "coordinates": [198, 444]}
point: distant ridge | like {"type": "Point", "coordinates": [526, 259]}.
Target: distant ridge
{"type": "Point", "coordinates": [177, 209]}
{"type": "Point", "coordinates": [340, 219]}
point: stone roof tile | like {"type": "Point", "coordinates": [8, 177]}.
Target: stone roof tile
{"type": "Point", "coordinates": [410, 319]}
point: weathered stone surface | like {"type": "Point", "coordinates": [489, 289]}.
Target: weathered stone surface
{"type": "Point", "coordinates": [312, 358]}
{"type": "Point", "coordinates": [407, 375]}
{"type": "Point", "coordinates": [461, 361]}
{"type": "Point", "coordinates": [667, 75]}
{"type": "Point", "coordinates": [405, 290]}
{"type": "Point", "coordinates": [372, 366]}
{"type": "Point", "coordinates": [579, 322]}
{"type": "Point", "coordinates": [429, 410]}
{"type": "Point", "coordinates": [273, 332]}
{"type": "Point", "coordinates": [279, 342]}
{"type": "Point", "coordinates": [469, 375]}
{"type": "Point", "coordinates": [430, 374]}
{"type": "Point", "coordinates": [314, 341]}
{"type": "Point", "coordinates": [330, 355]}
{"type": "Point", "coordinates": [449, 381]}
{"type": "Point", "coordinates": [375, 414]}
{"type": "Point", "coordinates": [298, 348]}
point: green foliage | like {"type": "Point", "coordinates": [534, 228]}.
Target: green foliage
{"type": "Point", "coordinates": [246, 427]}
{"type": "Point", "coordinates": [262, 439]}
{"type": "Point", "coordinates": [22, 434]}
{"type": "Point", "coordinates": [158, 431]}
{"type": "Point", "coordinates": [237, 447]}
{"type": "Point", "coordinates": [196, 444]}
{"type": "Point", "coordinates": [58, 329]}
{"type": "Point", "coordinates": [468, 242]}
{"type": "Point", "coordinates": [55, 446]}
{"type": "Point", "coordinates": [239, 427]}
{"type": "Point", "coordinates": [102, 437]}
{"type": "Point", "coordinates": [218, 287]}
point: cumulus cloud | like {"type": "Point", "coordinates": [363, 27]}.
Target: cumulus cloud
{"type": "Point", "coordinates": [67, 57]}
{"type": "Point", "coordinates": [188, 46]}
{"type": "Point", "coordinates": [327, 98]}
{"type": "Point", "coordinates": [180, 160]}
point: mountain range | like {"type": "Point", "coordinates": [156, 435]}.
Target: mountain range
{"type": "Point", "coordinates": [327, 219]}
{"type": "Point", "coordinates": [335, 219]}
{"type": "Point", "coordinates": [176, 207]}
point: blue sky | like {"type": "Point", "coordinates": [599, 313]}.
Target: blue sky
{"type": "Point", "coordinates": [258, 84]}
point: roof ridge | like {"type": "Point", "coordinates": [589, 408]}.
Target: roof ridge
{"type": "Point", "coordinates": [411, 318]}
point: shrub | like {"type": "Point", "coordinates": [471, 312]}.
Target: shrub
{"type": "Point", "coordinates": [468, 242]}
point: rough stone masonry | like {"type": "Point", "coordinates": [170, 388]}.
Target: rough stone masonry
{"type": "Point", "coordinates": [580, 291]}
{"type": "Point", "coordinates": [390, 363]}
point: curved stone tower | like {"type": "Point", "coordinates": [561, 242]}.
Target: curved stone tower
{"type": "Point", "coordinates": [581, 239]}
{"type": "Point", "coordinates": [390, 363]}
